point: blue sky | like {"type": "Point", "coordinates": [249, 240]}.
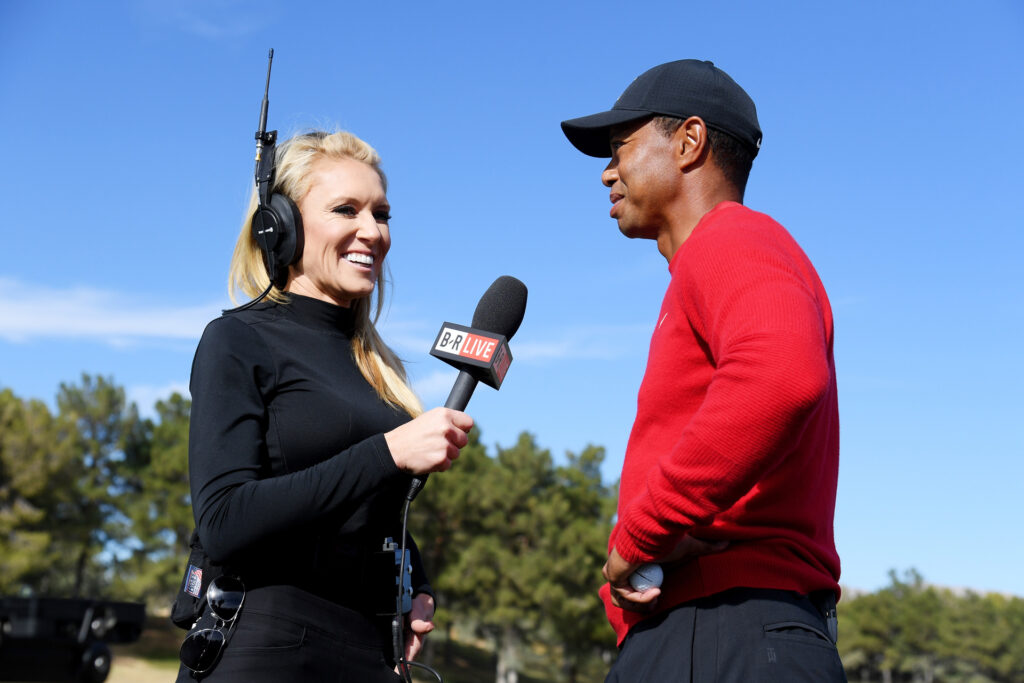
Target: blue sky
{"type": "Point", "coordinates": [892, 151]}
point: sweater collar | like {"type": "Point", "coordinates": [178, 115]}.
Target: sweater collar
{"type": "Point", "coordinates": [715, 211]}
{"type": "Point", "coordinates": [320, 315]}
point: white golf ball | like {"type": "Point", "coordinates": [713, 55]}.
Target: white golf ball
{"type": "Point", "coordinates": [646, 576]}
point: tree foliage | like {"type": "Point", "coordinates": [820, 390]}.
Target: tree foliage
{"type": "Point", "coordinates": [87, 486]}
{"type": "Point", "coordinates": [515, 546]}
{"type": "Point", "coordinates": [157, 505]}
{"type": "Point", "coordinates": [912, 632]}
{"type": "Point", "coordinates": [94, 501]}
{"type": "Point", "coordinates": [36, 480]}
{"type": "Point", "coordinates": [95, 422]}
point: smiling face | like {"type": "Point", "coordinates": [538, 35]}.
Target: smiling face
{"type": "Point", "coordinates": [345, 218]}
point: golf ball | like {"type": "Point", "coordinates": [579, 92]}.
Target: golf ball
{"type": "Point", "coordinates": [646, 576]}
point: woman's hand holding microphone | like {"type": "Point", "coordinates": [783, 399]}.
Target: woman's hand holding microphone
{"type": "Point", "coordinates": [430, 442]}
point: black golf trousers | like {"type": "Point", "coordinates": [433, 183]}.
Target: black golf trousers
{"type": "Point", "coordinates": [739, 636]}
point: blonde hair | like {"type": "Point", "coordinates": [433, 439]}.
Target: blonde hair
{"type": "Point", "coordinates": [247, 274]}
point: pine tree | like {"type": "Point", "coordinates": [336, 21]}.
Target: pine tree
{"type": "Point", "coordinates": [577, 520]}
{"type": "Point", "coordinates": [95, 421]}
{"type": "Point", "coordinates": [35, 483]}
{"type": "Point", "coordinates": [157, 503]}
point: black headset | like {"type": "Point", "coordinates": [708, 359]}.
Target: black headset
{"type": "Point", "coordinates": [277, 224]}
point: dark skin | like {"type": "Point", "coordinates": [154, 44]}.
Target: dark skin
{"type": "Point", "coordinates": [617, 572]}
{"type": "Point", "coordinates": [666, 183]}
{"type": "Point", "coordinates": [661, 186]}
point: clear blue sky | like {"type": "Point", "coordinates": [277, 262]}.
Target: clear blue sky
{"type": "Point", "coordinates": [892, 151]}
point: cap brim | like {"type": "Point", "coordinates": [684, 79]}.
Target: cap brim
{"type": "Point", "coordinates": [589, 134]}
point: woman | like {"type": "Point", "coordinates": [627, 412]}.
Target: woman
{"type": "Point", "coordinates": [304, 437]}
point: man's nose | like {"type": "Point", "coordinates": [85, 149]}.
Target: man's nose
{"type": "Point", "coordinates": [610, 175]}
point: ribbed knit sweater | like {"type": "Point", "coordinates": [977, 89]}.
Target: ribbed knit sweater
{"type": "Point", "coordinates": [736, 435]}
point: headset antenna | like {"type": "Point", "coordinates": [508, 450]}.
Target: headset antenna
{"type": "Point", "coordinates": [264, 233]}
{"type": "Point", "coordinates": [265, 141]}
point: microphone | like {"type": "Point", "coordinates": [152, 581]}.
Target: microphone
{"type": "Point", "coordinates": [480, 352]}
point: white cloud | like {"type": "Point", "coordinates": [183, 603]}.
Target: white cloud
{"type": "Point", "coordinates": [435, 387]}
{"type": "Point", "coordinates": [120, 320]}
{"type": "Point", "coordinates": [406, 337]}
{"type": "Point", "coordinates": [145, 396]}
{"type": "Point", "coordinates": [30, 312]}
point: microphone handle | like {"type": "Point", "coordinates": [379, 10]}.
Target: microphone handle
{"type": "Point", "coordinates": [462, 391]}
{"type": "Point", "coordinates": [458, 399]}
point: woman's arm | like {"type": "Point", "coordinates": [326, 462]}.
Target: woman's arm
{"type": "Point", "coordinates": [236, 501]}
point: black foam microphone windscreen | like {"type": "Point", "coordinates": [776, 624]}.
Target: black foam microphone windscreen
{"type": "Point", "coordinates": [501, 307]}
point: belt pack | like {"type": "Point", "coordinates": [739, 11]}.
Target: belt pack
{"type": "Point", "coordinates": [387, 565]}
{"type": "Point", "coordinates": [199, 572]}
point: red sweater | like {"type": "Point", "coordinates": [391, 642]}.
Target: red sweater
{"type": "Point", "coordinates": [737, 429]}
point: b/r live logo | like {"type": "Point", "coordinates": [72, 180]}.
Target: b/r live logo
{"type": "Point", "coordinates": [466, 344]}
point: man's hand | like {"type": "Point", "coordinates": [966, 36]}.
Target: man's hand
{"type": "Point", "coordinates": [617, 572]}
{"type": "Point", "coordinates": [418, 623]}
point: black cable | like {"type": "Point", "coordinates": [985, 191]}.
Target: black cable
{"type": "Point", "coordinates": [251, 303]}
{"type": "Point", "coordinates": [426, 668]}
{"type": "Point", "coordinates": [397, 627]}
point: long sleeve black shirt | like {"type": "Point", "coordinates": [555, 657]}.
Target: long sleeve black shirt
{"type": "Point", "coordinates": [291, 477]}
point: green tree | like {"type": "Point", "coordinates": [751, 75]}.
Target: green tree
{"type": "Point", "coordinates": [910, 631]}
{"type": "Point", "coordinates": [95, 422]}
{"type": "Point", "coordinates": [35, 482]}
{"type": "Point", "coordinates": [515, 546]}
{"type": "Point", "coordinates": [577, 519]}
{"type": "Point", "coordinates": [986, 640]}
{"type": "Point", "coordinates": [918, 621]}
{"type": "Point", "coordinates": [868, 641]}
{"type": "Point", "coordinates": [497, 568]}
{"type": "Point", "coordinates": [156, 503]}
{"type": "Point", "coordinates": [443, 516]}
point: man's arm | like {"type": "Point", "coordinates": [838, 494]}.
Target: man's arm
{"type": "Point", "coordinates": [751, 302]}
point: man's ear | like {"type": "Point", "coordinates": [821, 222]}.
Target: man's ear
{"type": "Point", "coordinates": [691, 143]}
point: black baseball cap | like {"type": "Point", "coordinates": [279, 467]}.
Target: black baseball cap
{"type": "Point", "coordinates": [685, 88]}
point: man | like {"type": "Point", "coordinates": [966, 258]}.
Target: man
{"type": "Point", "coordinates": [729, 478]}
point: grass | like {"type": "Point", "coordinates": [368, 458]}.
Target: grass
{"type": "Point", "coordinates": [158, 645]}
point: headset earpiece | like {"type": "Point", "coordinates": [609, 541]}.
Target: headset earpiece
{"type": "Point", "coordinates": [277, 229]}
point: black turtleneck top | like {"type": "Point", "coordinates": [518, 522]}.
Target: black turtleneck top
{"type": "Point", "coordinates": [291, 477]}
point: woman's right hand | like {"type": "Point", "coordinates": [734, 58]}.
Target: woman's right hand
{"type": "Point", "coordinates": [430, 442]}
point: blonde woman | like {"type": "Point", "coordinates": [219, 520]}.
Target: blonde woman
{"type": "Point", "coordinates": [304, 437]}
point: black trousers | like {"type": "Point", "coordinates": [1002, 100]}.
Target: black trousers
{"type": "Point", "coordinates": [739, 636]}
{"type": "Point", "coordinates": [285, 634]}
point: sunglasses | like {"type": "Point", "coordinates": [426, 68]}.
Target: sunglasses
{"type": "Point", "coordinates": [201, 649]}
